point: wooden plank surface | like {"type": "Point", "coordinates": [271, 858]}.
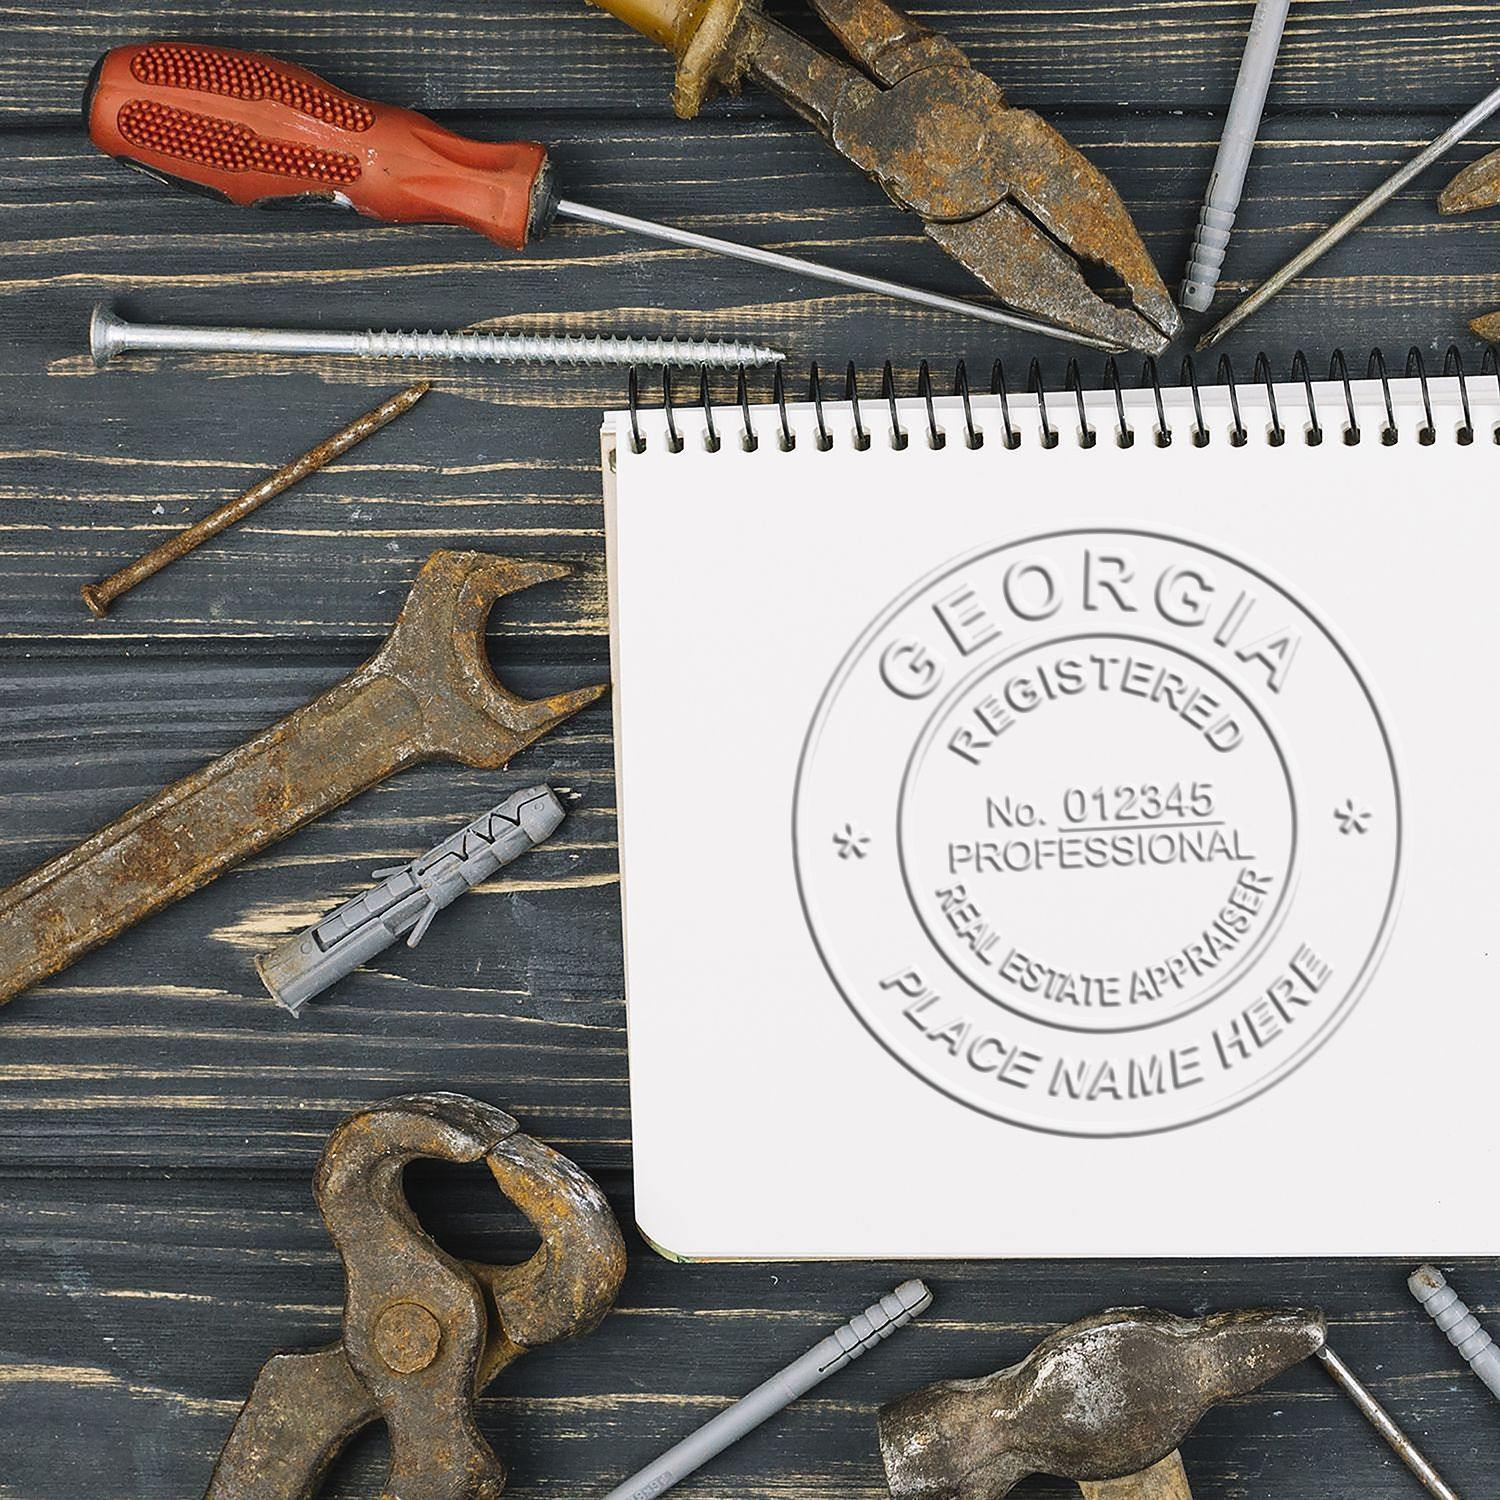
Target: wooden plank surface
{"type": "Point", "coordinates": [159, 1117]}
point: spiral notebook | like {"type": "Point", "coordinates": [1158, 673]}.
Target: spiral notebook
{"type": "Point", "coordinates": [1062, 824]}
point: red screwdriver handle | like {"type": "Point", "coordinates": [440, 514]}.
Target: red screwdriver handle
{"type": "Point", "coordinates": [259, 131]}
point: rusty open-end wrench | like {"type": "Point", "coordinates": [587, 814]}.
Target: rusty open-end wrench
{"type": "Point", "coordinates": [428, 694]}
{"type": "Point", "coordinates": [423, 1333]}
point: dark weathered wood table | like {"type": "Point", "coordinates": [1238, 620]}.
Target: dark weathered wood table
{"type": "Point", "coordinates": [159, 1116]}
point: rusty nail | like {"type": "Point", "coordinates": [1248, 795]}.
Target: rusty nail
{"type": "Point", "coordinates": [99, 596]}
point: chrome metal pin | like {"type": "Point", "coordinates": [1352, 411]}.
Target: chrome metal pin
{"type": "Point", "coordinates": [1461, 1328]}
{"type": "Point", "coordinates": [99, 596]}
{"type": "Point", "coordinates": [1385, 1424]}
{"type": "Point", "coordinates": [111, 335]}
{"type": "Point", "coordinates": [1354, 218]}
{"type": "Point", "coordinates": [799, 267]}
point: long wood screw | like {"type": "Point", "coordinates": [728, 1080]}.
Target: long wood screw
{"type": "Point", "coordinates": [111, 335]}
{"type": "Point", "coordinates": [99, 596]}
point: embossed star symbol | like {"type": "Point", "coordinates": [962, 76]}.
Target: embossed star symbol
{"type": "Point", "coordinates": [1352, 818]}
{"type": "Point", "coordinates": [851, 843]}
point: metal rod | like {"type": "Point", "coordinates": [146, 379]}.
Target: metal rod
{"type": "Point", "coordinates": [99, 596]}
{"type": "Point", "coordinates": [795, 264]}
{"type": "Point", "coordinates": [1383, 1423]}
{"type": "Point", "coordinates": [1354, 218]}
{"type": "Point", "coordinates": [110, 335]}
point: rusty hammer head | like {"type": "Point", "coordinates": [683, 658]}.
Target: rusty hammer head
{"type": "Point", "coordinates": [1106, 1398]}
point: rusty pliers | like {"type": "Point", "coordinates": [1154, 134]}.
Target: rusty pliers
{"type": "Point", "coordinates": [998, 188]}
{"type": "Point", "coordinates": [1476, 187]}
{"type": "Point", "coordinates": [423, 1333]}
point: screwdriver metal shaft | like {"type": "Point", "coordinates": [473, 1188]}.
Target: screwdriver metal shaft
{"type": "Point", "coordinates": [567, 209]}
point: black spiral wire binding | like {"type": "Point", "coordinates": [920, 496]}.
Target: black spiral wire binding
{"type": "Point", "coordinates": [1151, 376]}
{"type": "Point", "coordinates": [1416, 366]}
{"type": "Point", "coordinates": [1087, 435]}
{"type": "Point", "coordinates": [1491, 366]}
{"type": "Point", "coordinates": [997, 388]}
{"type": "Point", "coordinates": [824, 439]}
{"type": "Point", "coordinates": [851, 398]}
{"type": "Point", "coordinates": [1277, 435]}
{"type": "Point", "coordinates": [1338, 369]}
{"type": "Point", "coordinates": [1376, 370]}
{"type": "Point", "coordinates": [748, 440]}
{"type": "Point", "coordinates": [1238, 434]}
{"type": "Point", "coordinates": [710, 432]}
{"type": "Point", "coordinates": [936, 437]}
{"type": "Point", "coordinates": [888, 394]}
{"type": "Point", "coordinates": [1190, 380]}
{"type": "Point", "coordinates": [1301, 372]}
{"type": "Point", "coordinates": [787, 438]}
{"type": "Point", "coordinates": [1073, 381]}
{"type": "Point", "coordinates": [973, 437]}
{"type": "Point", "coordinates": [674, 438]}
{"type": "Point", "coordinates": [1037, 387]}
{"type": "Point", "coordinates": [1124, 432]}
{"type": "Point", "coordinates": [1453, 365]}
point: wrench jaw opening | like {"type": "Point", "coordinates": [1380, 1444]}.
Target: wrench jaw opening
{"type": "Point", "coordinates": [438, 650]}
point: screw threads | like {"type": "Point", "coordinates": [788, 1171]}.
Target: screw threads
{"type": "Point", "coordinates": [1461, 1328]}
{"type": "Point", "coordinates": [583, 349]}
{"type": "Point", "coordinates": [111, 335]}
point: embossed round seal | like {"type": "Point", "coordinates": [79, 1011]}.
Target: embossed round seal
{"type": "Point", "coordinates": [1099, 832]}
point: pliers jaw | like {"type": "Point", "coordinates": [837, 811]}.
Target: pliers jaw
{"type": "Point", "coordinates": [1476, 187]}
{"type": "Point", "coordinates": [998, 188]}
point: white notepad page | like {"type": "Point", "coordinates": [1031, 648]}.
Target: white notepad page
{"type": "Point", "coordinates": [1072, 850]}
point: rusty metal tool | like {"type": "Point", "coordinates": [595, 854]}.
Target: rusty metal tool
{"type": "Point", "coordinates": [1347, 223]}
{"type": "Point", "coordinates": [408, 897]}
{"type": "Point", "coordinates": [259, 131]}
{"type": "Point", "coordinates": [99, 596]}
{"type": "Point", "coordinates": [1476, 187]}
{"type": "Point", "coordinates": [423, 1333]}
{"type": "Point", "coordinates": [1103, 1402]}
{"type": "Point", "coordinates": [997, 187]}
{"type": "Point", "coordinates": [429, 693]}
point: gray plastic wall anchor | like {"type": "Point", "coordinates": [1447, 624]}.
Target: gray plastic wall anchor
{"type": "Point", "coordinates": [407, 898]}
{"type": "Point", "coordinates": [1430, 1288]}
{"type": "Point", "coordinates": [1226, 182]}
{"type": "Point", "coordinates": [844, 1345]}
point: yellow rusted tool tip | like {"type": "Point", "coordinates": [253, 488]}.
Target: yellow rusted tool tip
{"type": "Point", "coordinates": [1487, 327]}
{"type": "Point", "coordinates": [1476, 187]}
